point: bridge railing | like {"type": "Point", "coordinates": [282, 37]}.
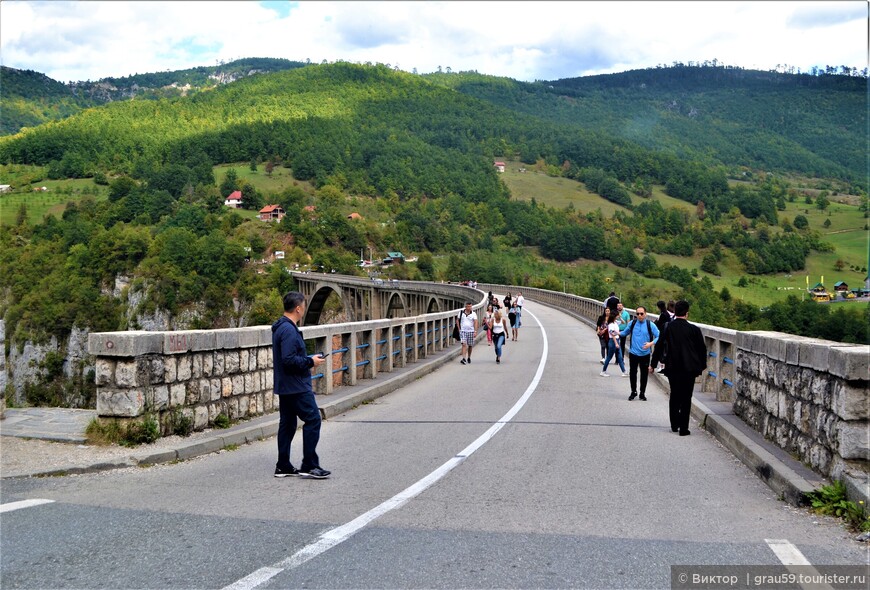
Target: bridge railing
{"type": "Point", "coordinates": [202, 374]}
{"type": "Point", "coordinates": [809, 396]}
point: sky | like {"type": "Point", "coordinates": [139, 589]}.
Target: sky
{"type": "Point", "coordinates": [523, 40]}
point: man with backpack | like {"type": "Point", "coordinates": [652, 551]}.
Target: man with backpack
{"type": "Point", "coordinates": [644, 334]}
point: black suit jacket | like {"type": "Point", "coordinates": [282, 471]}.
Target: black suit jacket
{"type": "Point", "coordinates": [684, 349]}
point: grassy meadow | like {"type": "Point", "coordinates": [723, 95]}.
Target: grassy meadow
{"type": "Point", "coordinates": [846, 232]}
{"type": "Point", "coordinates": [39, 204]}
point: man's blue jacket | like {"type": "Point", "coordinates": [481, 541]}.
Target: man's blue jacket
{"type": "Point", "coordinates": [640, 336]}
{"type": "Point", "coordinates": [291, 364]}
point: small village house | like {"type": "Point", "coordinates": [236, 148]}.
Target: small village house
{"type": "Point", "coordinates": [393, 257]}
{"type": "Point", "coordinates": [272, 213]}
{"type": "Point", "coordinates": [234, 200]}
{"type": "Point", "coordinates": [354, 215]}
{"type": "Point", "coordinates": [5, 188]}
{"type": "Point", "coordinates": [841, 287]}
{"type": "Point", "coordinates": [499, 166]}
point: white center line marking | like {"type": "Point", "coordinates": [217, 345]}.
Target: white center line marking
{"type": "Point", "coordinates": [337, 535]}
{"type": "Point", "coordinates": [10, 506]}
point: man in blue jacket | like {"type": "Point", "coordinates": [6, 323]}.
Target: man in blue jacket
{"type": "Point", "coordinates": [292, 383]}
{"type": "Point", "coordinates": [644, 334]}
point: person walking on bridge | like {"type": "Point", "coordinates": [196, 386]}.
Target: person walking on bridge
{"type": "Point", "coordinates": [685, 358]}
{"type": "Point", "coordinates": [499, 326]}
{"type": "Point", "coordinates": [467, 323]}
{"type": "Point", "coordinates": [613, 348]}
{"type": "Point", "coordinates": [291, 368]}
{"type": "Point", "coordinates": [643, 334]}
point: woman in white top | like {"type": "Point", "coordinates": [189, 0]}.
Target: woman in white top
{"type": "Point", "coordinates": [613, 348]}
{"type": "Point", "coordinates": [499, 326]}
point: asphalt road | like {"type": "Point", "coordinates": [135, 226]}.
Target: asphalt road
{"type": "Point", "coordinates": [536, 473]}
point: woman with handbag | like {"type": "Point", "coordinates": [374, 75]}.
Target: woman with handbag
{"type": "Point", "coordinates": [601, 330]}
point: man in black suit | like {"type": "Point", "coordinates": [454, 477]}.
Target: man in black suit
{"type": "Point", "coordinates": [685, 357]}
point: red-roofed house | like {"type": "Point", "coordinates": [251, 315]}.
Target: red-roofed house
{"type": "Point", "coordinates": [234, 200]}
{"type": "Point", "coordinates": [354, 215]}
{"type": "Point", "coordinates": [271, 213]}
{"type": "Point", "coordinates": [499, 166]}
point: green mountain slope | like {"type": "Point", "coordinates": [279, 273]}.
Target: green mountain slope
{"type": "Point", "coordinates": [30, 98]}
{"type": "Point", "coordinates": [814, 125]}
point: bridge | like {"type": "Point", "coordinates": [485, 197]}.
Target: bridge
{"type": "Point", "coordinates": [374, 299]}
{"type": "Point", "coordinates": [809, 396]}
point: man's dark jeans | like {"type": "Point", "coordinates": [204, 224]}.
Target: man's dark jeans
{"type": "Point", "coordinates": [635, 361]}
{"type": "Point", "coordinates": [303, 406]}
{"type": "Point", "coordinates": [680, 403]}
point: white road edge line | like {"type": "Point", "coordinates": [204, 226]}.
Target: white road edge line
{"type": "Point", "coordinates": [337, 535]}
{"type": "Point", "coordinates": [790, 555]}
{"type": "Point", "coordinates": [10, 506]}
{"type": "Point", "coordinates": [787, 553]}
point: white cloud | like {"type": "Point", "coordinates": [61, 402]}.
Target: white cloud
{"type": "Point", "coordinates": [522, 40]}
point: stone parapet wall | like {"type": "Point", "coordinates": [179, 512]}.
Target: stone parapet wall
{"type": "Point", "coordinates": [809, 396]}
{"type": "Point", "coordinates": [200, 374]}
{"type": "Point", "coordinates": [204, 373]}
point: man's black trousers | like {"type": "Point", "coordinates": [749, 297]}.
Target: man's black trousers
{"type": "Point", "coordinates": [635, 362]}
{"type": "Point", "coordinates": [680, 404]}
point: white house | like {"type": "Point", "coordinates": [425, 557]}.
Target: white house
{"type": "Point", "coordinates": [499, 166]}
{"type": "Point", "coordinates": [234, 200]}
{"type": "Point", "coordinates": [5, 188]}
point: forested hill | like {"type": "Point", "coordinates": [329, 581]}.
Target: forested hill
{"type": "Point", "coordinates": [31, 98]}
{"type": "Point", "coordinates": [762, 120]}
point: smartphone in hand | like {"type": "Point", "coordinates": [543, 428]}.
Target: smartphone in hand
{"type": "Point", "coordinates": [323, 355]}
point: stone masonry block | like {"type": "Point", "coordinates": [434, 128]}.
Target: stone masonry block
{"type": "Point", "coordinates": [200, 417]}
{"type": "Point", "coordinates": [792, 351]}
{"type": "Point", "coordinates": [760, 342]}
{"type": "Point", "coordinates": [226, 387]}
{"type": "Point", "coordinates": [129, 344]}
{"type": "Point", "coordinates": [226, 339]}
{"type": "Point", "coordinates": [238, 384]}
{"type": "Point", "coordinates": [231, 364]}
{"type": "Point", "coordinates": [216, 389]}
{"type": "Point", "coordinates": [126, 403]}
{"type": "Point", "coordinates": [264, 358]}
{"type": "Point", "coordinates": [196, 366]}
{"type": "Point", "coordinates": [202, 340]}
{"type": "Point", "coordinates": [814, 353]}
{"type": "Point", "coordinates": [184, 368]}
{"type": "Point", "coordinates": [192, 393]}
{"type": "Point", "coordinates": [219, 362]}
{"type": "Point", "coordinates": [104, 372]}
{"type": "Point", "coordinates": [244, 355]}
{"type": "Point", "coordinates": [207, 364]}
{"type": "Point", "coordinates": [850, 362]}
{"type": "Point", "coordinates": [249, 383]}
{"type": "Point", "coordinates": [125, 374]}
{"type": "Point", "coordinates": [850, 400]}
{"type": "Point", "coordinates": [250, 337]}
{"type": "Point", "coordinates": [771, 402]}
{"type": "Point", "coordinates": [854, 440]}
{"type": "Point", "coordinates": [170, 369]}
{"type": "Point", "coordinates": [204, 391]}
{"type": "Point", "coordinates": [177, 393]}
{"type": "Point", "coordinates": [160, 397]}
